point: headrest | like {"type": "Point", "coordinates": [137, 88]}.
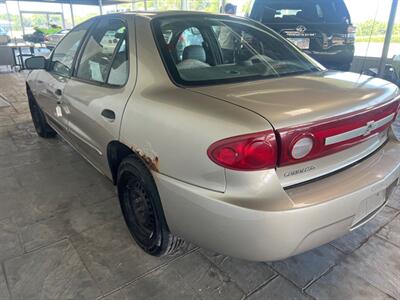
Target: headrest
{"type": "Point", "coordinates": [194, 52]}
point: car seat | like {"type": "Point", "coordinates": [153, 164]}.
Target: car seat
{"type": "Point", "coordinates": [194, 56]}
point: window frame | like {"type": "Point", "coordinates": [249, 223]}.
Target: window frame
{"type": "Point", "coordinates": [82, 49]}
{"type": "Point", "coordinates": [50, 70]}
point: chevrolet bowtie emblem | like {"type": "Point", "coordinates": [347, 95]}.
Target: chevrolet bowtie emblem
{"type": "Point", "coordinates": [369, 128]}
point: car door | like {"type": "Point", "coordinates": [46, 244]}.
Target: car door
{"type": "Point", "coordinates": [51, 82]}
{"type": "Point", "coordinates": [100, 87]}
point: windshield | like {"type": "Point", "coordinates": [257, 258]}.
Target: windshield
{"type": "Point", "coordinates": [302, 11]}
{"type": "Point", "coordinates": [200, 50]}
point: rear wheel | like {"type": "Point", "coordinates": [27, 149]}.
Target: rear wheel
{"type": "Point", "coordinates": [43, 129]}
{"type": "Point", "coordinates": [142, 210]}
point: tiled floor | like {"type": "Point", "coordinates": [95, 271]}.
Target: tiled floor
{"type": "Point", "coordinates": [62, 237]}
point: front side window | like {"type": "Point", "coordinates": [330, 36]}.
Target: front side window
{"type": "Point", "coordinates": [229, 50]}
{"type": "Point", "coordinates": [105, 54]}
{"type": "Point", "coordinates": [64, 54]}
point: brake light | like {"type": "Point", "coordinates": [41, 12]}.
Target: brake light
{"type": "Point", "coordinates": [250, 152]}
{"type": "Point", "coordinates": [312, 141]}
{"type": "Point", "coordinates": [396, 125]}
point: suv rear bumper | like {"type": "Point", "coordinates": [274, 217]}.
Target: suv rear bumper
{"type": "Point", "coordinates": [340, 203]}
{"type": "Point", "coordinates": [335, 57]}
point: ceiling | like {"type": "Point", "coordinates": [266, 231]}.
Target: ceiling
{"type": "Point", "coordinates": [84, 2]}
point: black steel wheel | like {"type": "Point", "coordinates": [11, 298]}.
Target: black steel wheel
{"type": "Point", "coordinates": [142, 210]}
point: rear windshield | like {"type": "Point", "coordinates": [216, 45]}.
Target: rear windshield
{"type": "Point", "coordinates": [200, 50]}
{"type": "Point", "coordinates": [301, 11]}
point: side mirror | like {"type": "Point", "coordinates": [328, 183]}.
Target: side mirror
{"type": "Point", "coordinates": [36, 62]}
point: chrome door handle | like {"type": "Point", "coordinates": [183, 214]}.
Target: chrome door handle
{"type": "Point", "coordinates": [58, 92]}
{"type": "Point", "coordinates": [108, 114]}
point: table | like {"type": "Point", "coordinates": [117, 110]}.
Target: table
{"type": "Point", "coordinates": [19, 46]}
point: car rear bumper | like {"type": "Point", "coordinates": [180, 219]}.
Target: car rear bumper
{"type": "Point", "coordinates": [320, 211]}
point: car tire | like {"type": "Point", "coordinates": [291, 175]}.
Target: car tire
{"type": "Point", "coordinates": [43, 129]}
{"type": "Point", "coordinates": [142, 209]}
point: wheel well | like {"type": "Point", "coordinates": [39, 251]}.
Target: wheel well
{"type": "Point", "coordinates": [28, 89]}
{"type": "Point", "coordinates": [116, 152]}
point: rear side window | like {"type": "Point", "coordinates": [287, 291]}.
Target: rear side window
{"type": "Point", "coordinates": [119, 69]}
{"type": "Point", "coordinates": [219, 50]}
{"type": "Point", "coordinates": [105, 57]}
{"type": "Point", "coordinates": [189, 37]}
{"type": "Point", "coordinates": [302, 11]}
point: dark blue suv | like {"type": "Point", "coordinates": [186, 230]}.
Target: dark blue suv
{"type": "Point", "coordinates": [321, 28]}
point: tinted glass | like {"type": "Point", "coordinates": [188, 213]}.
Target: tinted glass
{"type": "Point", "coordinates": [119, 69]}
{"type": "Point", "coordinates": [64, 54]}
{"type": "Point", "coordinates": [97, 57]}
{"type": "Point", "coordinates": [304, 11]}
{"type": "Point", "coordinates": [231, 50]}
{"type": "Point", "coordinates": [190, 36]}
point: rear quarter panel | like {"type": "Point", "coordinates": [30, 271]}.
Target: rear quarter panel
{"type": "Point", "coordinates": [173, 127]}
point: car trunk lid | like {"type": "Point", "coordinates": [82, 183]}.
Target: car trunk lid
{"type": "Point", "coordinates": [305, 100]}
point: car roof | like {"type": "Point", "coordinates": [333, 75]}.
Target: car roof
{"type": "Point", "coordinates": [155, 14]}
{"type": "Point", "coordinates": [172, 13]}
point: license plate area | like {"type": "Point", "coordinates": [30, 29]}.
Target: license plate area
{"type": "Point", "coordinates": [302, 43]}
{"type": "Point", "coordinates": [371, 206]}
{"type": "Point", "coordinates": [367, 206]}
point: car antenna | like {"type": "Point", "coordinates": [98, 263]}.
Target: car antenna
{"type": "Point", "coordinates": [370, 36]}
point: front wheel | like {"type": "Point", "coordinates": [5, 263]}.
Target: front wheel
{"type": "Point", "coordinates": [43, 129]}
{"type": "Point", "coordinates": [142, 210]}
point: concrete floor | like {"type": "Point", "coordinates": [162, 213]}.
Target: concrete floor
{"type": "Point", "coordinates": [62, 237]}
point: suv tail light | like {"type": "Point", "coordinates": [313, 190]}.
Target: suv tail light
{"type": "Point", "coordinates": [250, 152]}
{"type": "Point", "coordinates": [351, 34]}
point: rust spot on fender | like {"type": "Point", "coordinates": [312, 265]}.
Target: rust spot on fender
{"type": "Point", "coordinates": [151, 161]}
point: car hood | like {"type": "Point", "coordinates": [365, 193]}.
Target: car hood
{"type": "Point", "coordinates": [291, 101]}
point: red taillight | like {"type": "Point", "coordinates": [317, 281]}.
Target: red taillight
{"type": "Point", "coordinates": [333, 135]}
{"type": "Point", "coordinates": [250, 152]}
